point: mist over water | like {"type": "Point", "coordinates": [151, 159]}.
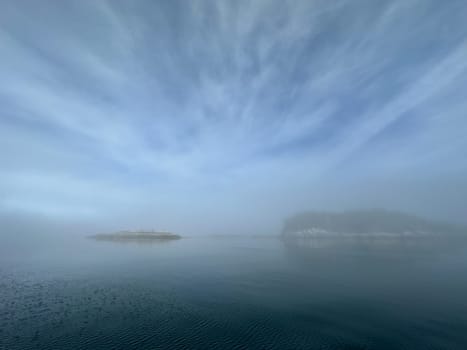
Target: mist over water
{"type": "Point", "coordinates": [254, 174]}
{"type": "Point", "coordinates": [236, 293]}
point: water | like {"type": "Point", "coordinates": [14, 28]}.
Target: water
{"type": "Point", "coordinates": [219, 293]}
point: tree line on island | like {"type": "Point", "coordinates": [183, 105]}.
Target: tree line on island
{"type": "Point", "coordinates": [364, 223]}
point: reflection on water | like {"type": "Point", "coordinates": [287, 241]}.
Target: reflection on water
{"type": "Point", "coordinates": [235, 294]}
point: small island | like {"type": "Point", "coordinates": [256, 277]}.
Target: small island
{"type": "Point", "coordinates": [137, 235]}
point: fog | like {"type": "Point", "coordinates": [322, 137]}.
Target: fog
{"type": "Point", "coordinates": [218, 117]}
{"type": "Point", "coordinates": [233, 174]}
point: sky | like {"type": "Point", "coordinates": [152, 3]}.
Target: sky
{"type": "Point", "coordinates": [228, 116]}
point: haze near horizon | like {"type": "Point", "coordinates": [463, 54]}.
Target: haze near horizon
{"type": "Point", "coordinates": [229, 116]}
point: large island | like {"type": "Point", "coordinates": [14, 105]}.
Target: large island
{"type": "Point", "coordinates": [137, 235]}
{"type": "Point", "coordinates": [365, 223]}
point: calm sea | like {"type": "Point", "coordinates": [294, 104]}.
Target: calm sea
{"type": "Point", "coordinates": [234, 293]}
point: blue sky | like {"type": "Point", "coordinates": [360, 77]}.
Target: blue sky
{"type": "Point", "coordinates": [232, 111]}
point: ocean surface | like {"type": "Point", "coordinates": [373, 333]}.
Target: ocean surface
{"type": "Point", "coordinates": [234, 293]}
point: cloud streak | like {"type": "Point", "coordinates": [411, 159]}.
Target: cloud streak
{"type": "Point", "coordinates": [107, 105]}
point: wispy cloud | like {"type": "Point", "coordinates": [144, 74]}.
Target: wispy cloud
{"type": "Point", "coordinates": [126, 101]}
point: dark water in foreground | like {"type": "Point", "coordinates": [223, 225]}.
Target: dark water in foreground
{"type": "Point", "coordinates": [235, 294]}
